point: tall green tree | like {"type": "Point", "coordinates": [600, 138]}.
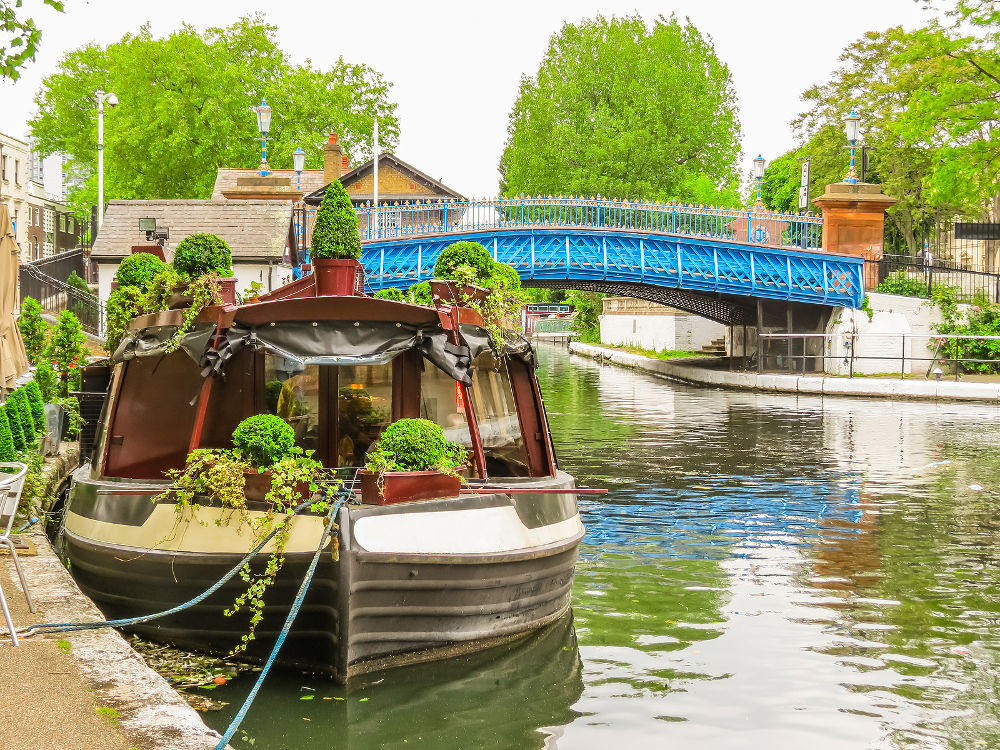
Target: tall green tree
{"type": "Point", "coordinates": [184, 109]}
{"type": "Point", "coordinates": [622, 109]}
{"type": "Point", "coordinates": [19, 37]}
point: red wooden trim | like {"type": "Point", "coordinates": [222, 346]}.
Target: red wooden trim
{"type": "Point", "coordinates": [114, 393]}
{"type": "Point", "coordinates": [199, 417]}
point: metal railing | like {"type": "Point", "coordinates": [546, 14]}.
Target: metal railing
{"type": "Point", "coordinates": [913, 277]}
{"type": "Point", "coordinates": [809, 352]}
{"type": "Point", "coordinates": [55, 296]}
{"type": "Point", "coordinates": [753, 226]}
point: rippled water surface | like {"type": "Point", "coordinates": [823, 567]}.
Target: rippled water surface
{"type": "Point", "coordinates": [766, 572]}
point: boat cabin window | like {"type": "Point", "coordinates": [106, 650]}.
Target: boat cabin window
{"type": "Point", "coordinates": [338, 428]}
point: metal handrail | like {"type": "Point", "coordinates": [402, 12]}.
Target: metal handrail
{"type": "Point", "coordinates": [432, 217]}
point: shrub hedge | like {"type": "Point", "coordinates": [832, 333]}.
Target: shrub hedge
{"type": "Point", "coordinates": [202, 253]}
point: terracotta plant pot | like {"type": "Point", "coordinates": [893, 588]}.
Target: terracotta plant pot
{"type": "Point", "coordinates": [227, 290]}
{"type": "Point", "coordinates": [407, 486]}
{"type": "Point", "coordinates": [258, 484]}
{"type": "Point", "coordinates": [454, 293]}
{"type": "Point", "coordinates": [337, 277]}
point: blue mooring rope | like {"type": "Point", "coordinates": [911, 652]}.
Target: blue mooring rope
{"type": "Point", "coordinates": [292, 613]}
{"type": "Point", "coordinates": [66, 627]}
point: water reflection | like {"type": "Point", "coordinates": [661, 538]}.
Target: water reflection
{"type": "Point", "coordinates": [766, 572]}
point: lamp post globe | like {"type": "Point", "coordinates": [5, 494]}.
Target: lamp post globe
{"type": "Point", "coordinates": [101, 98]}
{"type": "Point", "coordinates": [263, 113]}
{"type": "Point", "coordinates": [852, 127]}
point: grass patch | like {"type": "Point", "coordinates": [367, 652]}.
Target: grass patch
{"type": "Point", "coordinates": [64, 646]}
{"type": "Point", "coordinates": [662, 354]}
{"type": "Point", "coordinates": [109, 714]}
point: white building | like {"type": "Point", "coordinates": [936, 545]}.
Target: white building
{"type": "Point", "coordinates": [14, 169]}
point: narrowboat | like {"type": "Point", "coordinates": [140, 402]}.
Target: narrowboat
{"type": "Point", "coordinates": [400, 583]}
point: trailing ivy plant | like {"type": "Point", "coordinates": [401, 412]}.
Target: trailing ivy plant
{"type": "Point", "coordinates": [219, 474]}
{"type": "Point", "coordinates": [204, 291]}
{"type": "Point", "coordinates": [67, 352]}
{"type": "Point", "coordinates": [33, 328]}
{"type": "Point", "coordinates": [122, 306]}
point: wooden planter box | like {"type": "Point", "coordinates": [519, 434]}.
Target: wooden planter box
{"type": "Point", "coordinates": [258, 484]}
{"type": "Point", "coordinates": [407, 486]}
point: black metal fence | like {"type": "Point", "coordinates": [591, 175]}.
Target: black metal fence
{"type": "Point", "coordinates": [45, 281]}
{"type": "Point", "coordinates": [920, 277]}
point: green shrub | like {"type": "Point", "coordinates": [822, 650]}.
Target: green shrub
{"type": "Point", "coordinates": [421, 294]}
{"type": "Point", "coordinates": [264, 439]}
{"type": "Point", "coordinates": [122, 306]}
{"type": "Point", "coordinates": [468, 254]}
{"type": "Point", "coordinates": [396, 295]}
{"type": "Point", "coordinates": [33, 328]}
{"type": "Point", "coordinates": [903, 284]}
{"type": "Point", "coordinates": [36, 404]}
{"type": "Point", "coordinates": [14, 420]}
{"type": "Point", "coordinates": [20, 399]}
{"type": "Point", "coordinates": [414, 445]}
{"type": "Point", "coordinates": [67, 352]}
{"type": "Point", "coordinates": [335, 234]}
{"type": "Point", "coordinates": [272, 392]}
{"type": "Point", "coordinates": [7, 450]}
{"type": "Point", "coordinates": [203, 253]}
{"type": "Point", "coordinates": [45, 378]}
{"type": "Point", "coordinates": [138, 269]}
{"type": "Point", "coordinates": [78, 282]}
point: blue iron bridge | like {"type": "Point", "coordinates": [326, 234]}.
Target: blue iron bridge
{"type": "Point", "coordinates": [712, 261]}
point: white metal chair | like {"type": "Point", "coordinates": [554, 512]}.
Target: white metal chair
{"type": "Point", "coordinates": [10, 495]}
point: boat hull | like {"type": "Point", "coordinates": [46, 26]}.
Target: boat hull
{"type": "Point", "coordinates": [412, 582]}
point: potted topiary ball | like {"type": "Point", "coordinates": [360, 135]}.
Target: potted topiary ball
{"type": "Point", "coordinates": [200, 254]}
{"type": "Point", "coordinates": [411, 461]}
{"type": "Point", "coordinates": [336, 246]}
{"type": "Point", "coordinates": [263, 440]}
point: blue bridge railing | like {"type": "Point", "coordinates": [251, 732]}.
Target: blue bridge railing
{"type": "Point", "coordinates": [756, 225]}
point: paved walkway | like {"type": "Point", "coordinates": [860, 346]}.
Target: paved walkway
{"type": "Point", "coordinates": [86, 690]}
{"type": "Point", "coordinates": [688, 371]}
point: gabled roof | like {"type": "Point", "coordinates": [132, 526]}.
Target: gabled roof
{"type": "Point", "coordinates": [225, 179]}
{"type": "Point", "coordinates": [438, 189]}
{"type": "Point", "coordinates": [255, 230]}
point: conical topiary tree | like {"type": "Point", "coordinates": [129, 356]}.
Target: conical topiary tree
{"type": "Point", "coordinates": [37, 404]}
{"type": "Point", "coordinates": [7, 451]}
{"type": "Point", "coordinates": [14, 421]}
{"type": "Point", "coordinates": [33, 328]}
{"type": "Point", "coordinates": [20, 401]}
{"type": "Point", "coordinates": [45, 378]}
{"type": "Point", "coordinates": [66, 350]}
{"type": "Point", "coordinates": [335, 234]}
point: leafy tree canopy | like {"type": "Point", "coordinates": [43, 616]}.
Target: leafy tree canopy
{"type": "Point", "coordinates": [624, 110]}
{"type": "Point", "coordinates": [19, 37]}
{"type": "Point", "coordinates": [930, 100]}
{"type": "Point", "coordinates": [184, 109]}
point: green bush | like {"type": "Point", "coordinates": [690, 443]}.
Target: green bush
{"type": "Point", "coordinates": [264, 439]}
{"type": "Point", "coordinates": [902, 284]}
{"type": "Point", "coordinates": [396, 295]}
{"type": "Point", "coordinates": [335, 234]}
{"type": "Point", "coordinates": [414, 445]}
{"type": "Point", "coordinates": [202, 253]}
{"type": "Point", "coordinates": [20, 399]}
{"type": "Point", "coordinates": [33, 328]}
{"type": "Point", "coordinates": [36, 404]}
{"type": "Point", "coordinates": [45, 378]}
{"type": "Point", "coordinates": [123, 304]}
{"type": "Point", "coordinates": [14, 420]}
{"type": "Point", "coordinates": [138, 269]}
{"type": "Point", "coordinates": [67, 352]}
{"type": "Point", "coordinates": [78, 282]}
{"type": "Point", "coordinates": [421, 294]}
{"type": "Point", "coordinates": [7, 450]}
{"type": "Point", "coordinates": [469, 254]}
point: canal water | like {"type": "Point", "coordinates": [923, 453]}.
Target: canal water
{"type": "Point", "coordinates": [767, 571]}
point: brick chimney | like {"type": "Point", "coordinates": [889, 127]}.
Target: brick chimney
{"type": "Point", "coordinates": [333, 160]}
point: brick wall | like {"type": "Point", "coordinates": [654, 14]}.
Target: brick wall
{"type": "Point", "coordinates": [390, 182]}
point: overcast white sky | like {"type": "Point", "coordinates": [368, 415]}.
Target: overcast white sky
{"type": "Point", "coordinates": [456, 65]}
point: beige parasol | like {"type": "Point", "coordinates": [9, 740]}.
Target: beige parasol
{"type": "Point", "coordinates": [13, 360]}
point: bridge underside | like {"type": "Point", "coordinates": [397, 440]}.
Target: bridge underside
{"type": "Point", "coordinates": [725, 309]}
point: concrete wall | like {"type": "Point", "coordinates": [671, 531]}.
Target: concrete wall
{"type": "Point", "coordinates": [883, 337]}
{"type": "Point", "coordinates": [678, 331]}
